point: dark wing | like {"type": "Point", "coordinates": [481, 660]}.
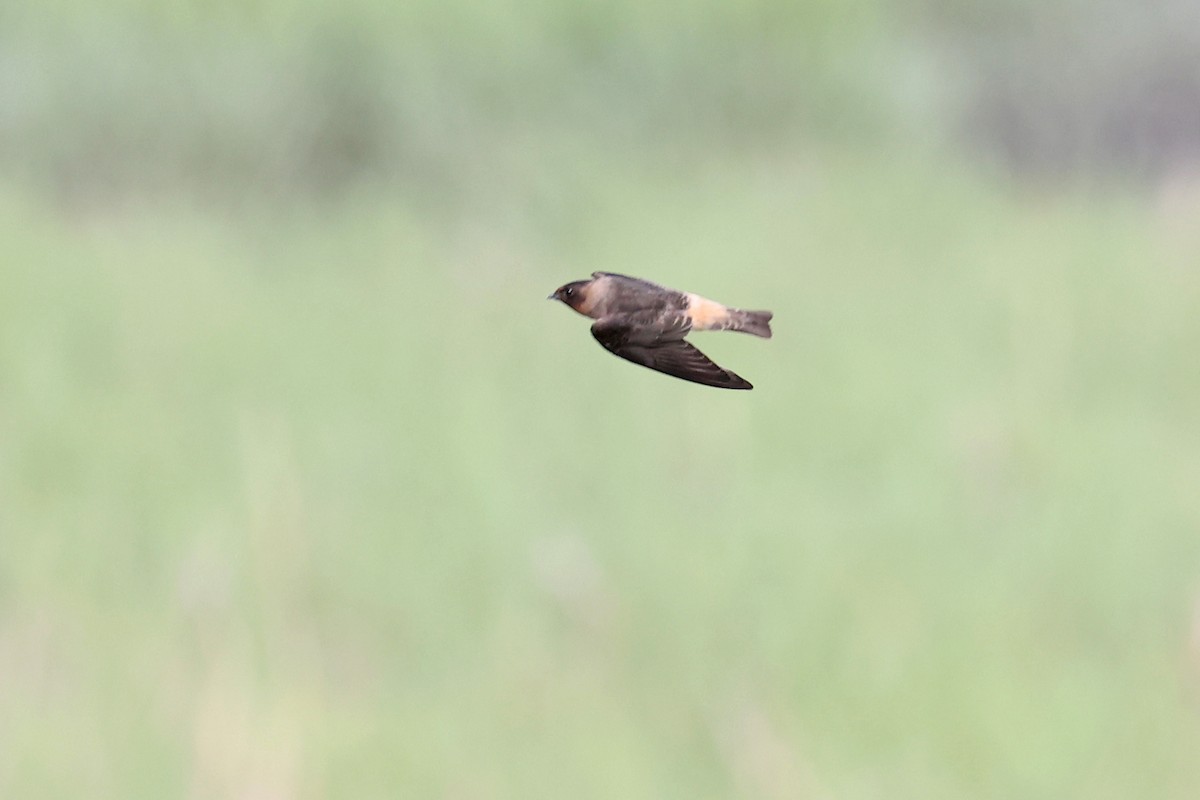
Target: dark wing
{"type": "Point", "coordinates": [663, 349]}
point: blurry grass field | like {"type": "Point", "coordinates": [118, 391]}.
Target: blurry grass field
{"type": "Point", "coordinates": [306, 491]}
{"type": "Point", "coordinates": [337, 505]}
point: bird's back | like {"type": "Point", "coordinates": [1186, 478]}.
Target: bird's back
{"type": "Point", "coordinates": [625, 295]}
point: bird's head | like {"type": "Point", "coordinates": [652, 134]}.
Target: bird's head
{"type": "Point", "coordinates": [573, 294]}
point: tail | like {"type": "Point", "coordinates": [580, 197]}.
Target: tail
{"type": "Point", "coordinates": [755, 322]}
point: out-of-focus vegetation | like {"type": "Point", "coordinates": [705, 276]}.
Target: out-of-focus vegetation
{"type": "Point", "coordinates": [424, 97]}
{"type": "Point", "coordinates": [1069, 87]}
{"type": "Point", "coordinates": [306, 492]}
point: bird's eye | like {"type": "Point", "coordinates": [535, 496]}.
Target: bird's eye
{"type": "Point", "coordinates": [567, 292]}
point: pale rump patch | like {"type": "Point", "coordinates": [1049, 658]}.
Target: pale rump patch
{"type": "Point", "coordinates": [706, 314]}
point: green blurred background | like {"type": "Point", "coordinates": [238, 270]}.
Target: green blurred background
{"type": "Point", "coordinates": [307, 492]}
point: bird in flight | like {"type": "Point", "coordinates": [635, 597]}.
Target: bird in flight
{"type": "Point", "coordinates": [646, 323]}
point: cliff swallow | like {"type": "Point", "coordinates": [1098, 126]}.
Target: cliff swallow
{"type": "Point", "coordinates": [646, 323]}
